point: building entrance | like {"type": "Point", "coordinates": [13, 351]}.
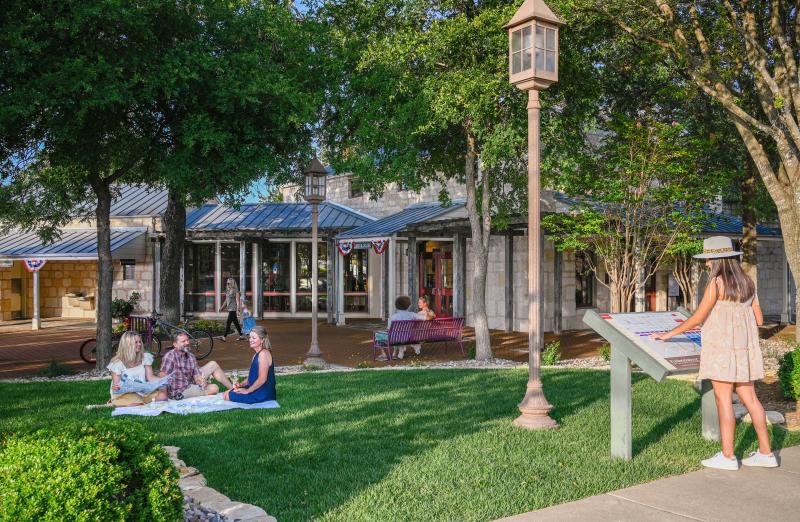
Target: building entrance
{"type": "Point", "coordinates": [436, 276]}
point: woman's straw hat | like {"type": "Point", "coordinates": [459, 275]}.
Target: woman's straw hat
{"type": "Point", "coordinates": [717, 247]}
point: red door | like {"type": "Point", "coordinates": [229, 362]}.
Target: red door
{"type": "Point", "coordinates": [436, 281]}
{"type": "Point", "coordinates": [650, 294]}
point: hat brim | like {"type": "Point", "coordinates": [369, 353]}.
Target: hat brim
{"type": "Point", "coordinates": [718, 255]}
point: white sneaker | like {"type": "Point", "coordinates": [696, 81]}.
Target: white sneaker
{"type": "Point", "coordinates": [401, 353]}
{"type": "Point", "coordinates": [417, 348]}
{"type": "Point", "coordinates": [759, 460]}
{"type": "Point", "coordinates": [720, 461]}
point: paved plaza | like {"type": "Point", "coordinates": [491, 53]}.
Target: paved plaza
{"type": "Point", "coordinates": [24, 352]}
{"type": "Point", "coordinates": [747, 494]}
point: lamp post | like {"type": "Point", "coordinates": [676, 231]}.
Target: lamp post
{"type": "Point", "coordinates": [533, 66]}
{"type": "Point", "coordinates": [315, 194]}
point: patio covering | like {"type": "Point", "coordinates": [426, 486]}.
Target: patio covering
{"type": "Point", "coordinates": [385, 227]}
{"type": "Point", "coordinates": [273, 216]}
{"type": "Point", "coordinates": [74, 244]}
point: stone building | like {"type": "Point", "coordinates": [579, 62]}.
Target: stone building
{"type": "Point", "coordinates": [370, 251]}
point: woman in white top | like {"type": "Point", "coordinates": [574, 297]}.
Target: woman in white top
{"type": "Point", "coordinates": [132, 363]}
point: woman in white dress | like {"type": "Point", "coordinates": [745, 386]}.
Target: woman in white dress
{"type": "Point", "coordinates": [131, 362]}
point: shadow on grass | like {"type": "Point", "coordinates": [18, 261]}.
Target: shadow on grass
{"type": "Point", "coordinates": [336, 435]}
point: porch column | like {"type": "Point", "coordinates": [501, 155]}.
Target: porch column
{"type": "Point", "coordinates": [293, 278]}
{"type": "Point", "coordinates": [385, 304]}
{"type": "Point", "coordinates": [785, 294]}
{"type": "Point", "coordinates": [181, 295]}
{"type": "Point", "coordinates": [695, 275]}
{"type": "Point", "coordinates": [392, 290]}
{"type": "Point", "coordinates": [340, 320]}
{"type": "Point", "coordinates": [459, 274]}
{"type": "Point", "coordinates": [413, 279]}
{"type": "Point", "coordinates": [255, 284]}
{"type": "Point", "coordinates": [157, 274]}
{"type": "Point", "coordinates": [639, 298]}
{"type": "Point", "coordinates": [37, 317]}
{"type": "Point", "coordinates": [217, 276]}
{"type": "Point", "coordinates": [242, 270]}
{"type": "Point", "coordinates": [558, 290]}
{"type": "Point", "coordinates": [329, 280]}
{"type": "Point", "coordinates": [508, 259]}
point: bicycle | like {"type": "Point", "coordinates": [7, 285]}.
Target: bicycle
{"type": "Point", "coordinates": [200, 341]}
{"type": "Point", "coordinates": [88, 349]}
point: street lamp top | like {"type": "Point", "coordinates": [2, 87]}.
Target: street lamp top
{"type": "Point", "coordinates": [533, 46]}
{"type": "Point", "coordinates": [316, 182]}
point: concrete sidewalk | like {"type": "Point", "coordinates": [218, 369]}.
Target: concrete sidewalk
{"type": "Point", "coordinates": [748, 494]}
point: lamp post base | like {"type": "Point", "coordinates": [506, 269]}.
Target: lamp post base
{"type": "Point", "coordinates": [314, 357]}
{"type": "Point", "coordinates": [534, 409]}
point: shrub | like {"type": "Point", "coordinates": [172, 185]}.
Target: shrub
{"type": "Point", "coordinates": [105, 471]}
{"type": "Point", "coordinates": [789, 374]}
{"type": "Point", "coordinates": [123, 307]}
{"type": "Point", "coordinates": [552, 353]}
{"type": "Point", "coordinates": [209, 325]}
{"type": "Point", "coordinates": [605, 352]}
{"type": "Point", "coordinates": [54, 369]}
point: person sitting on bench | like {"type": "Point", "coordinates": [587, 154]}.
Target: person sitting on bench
{"type": "Point", "coordinates": [402, 304]}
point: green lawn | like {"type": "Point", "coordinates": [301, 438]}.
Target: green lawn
{"type": "Point", "coordinates": [421, 445]}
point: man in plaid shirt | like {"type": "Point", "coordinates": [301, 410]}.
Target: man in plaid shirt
{"type": "Point", "coordinates": [188, 378]}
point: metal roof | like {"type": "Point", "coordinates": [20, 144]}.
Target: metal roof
{"type": "Point", "coordinates": [135, 200]}
{"type": "Point", "coordinates": [727, 224]}
{"type": "Point", "coordinates": [387, 226]}
{"type": "Point", "coordinates": [73, 243]}
{"type": "Point", "coordinates": [273, 216]}
{"type": "Point", "coordinates": [716, 222]}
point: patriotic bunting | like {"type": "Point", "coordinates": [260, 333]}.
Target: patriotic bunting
{"type": "Point", "coordinates": [379, 245]}
{"type": "Point", "coordinates": [34, 265]}
{"type": "Point", "coordinates": [345, 246]}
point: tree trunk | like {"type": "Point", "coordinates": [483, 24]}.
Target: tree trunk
{"type": "Point", "coordinates": [749, 236]}
{"type": "Point", "coordinates": [174, 225]}
{"type": "Point", "coordinates": [480, 249]}
{"type": "Point", "coordinates": [105, 271]}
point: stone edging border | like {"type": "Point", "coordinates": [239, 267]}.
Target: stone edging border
{"type": "Point", "coordinates": [193, 484]}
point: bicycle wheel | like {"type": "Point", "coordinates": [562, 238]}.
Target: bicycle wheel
{"type": "Point", "coordinates": [155, 346]}
{"type": "Point", "coordinates": [200, 343]}
{"type": "Point", "coordinates": [89, 351]}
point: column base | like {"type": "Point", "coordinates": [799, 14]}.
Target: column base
{"type": "Point", "coordinates": [534, 410]}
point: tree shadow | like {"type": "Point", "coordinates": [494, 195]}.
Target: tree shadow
{"type": "Point", "coordinates": [360, 427]}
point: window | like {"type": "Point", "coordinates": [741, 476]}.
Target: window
{"type": "Point", "coordinates": [355, 188]}
{"type": "Point", "coordinates": [355, 281]}
{"type": "Point", "coordinates": [545, 49]}
{"type": "Point", "coordinates": [275, 273]}
{"type": "Point", "coordinates": [198, 266]}
{"type": "Point", "coordinates": [304, 266]}
{"type": "Point", "coordinates": [521, 50]}
{"type": "Point", "coordinates": [128, 269]}
{"type": "Point", "coordinates": [584, 281]}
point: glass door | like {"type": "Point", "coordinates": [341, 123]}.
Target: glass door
{"type": "Point", "coordinates": [436, 281]}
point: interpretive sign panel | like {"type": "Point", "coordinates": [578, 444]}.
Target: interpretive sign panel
{"type": "Point", "coordinates": [681, 352]}
{"type": "Point", "coordinates": [631, 338]}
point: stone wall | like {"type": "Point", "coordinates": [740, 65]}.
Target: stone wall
{"type": "Point", "coordinates": [392, 201]}
{"type": "Point", "coordinates": [141, 283]}
{"type": "Point", "coordinates": [56, 279]}
{"type": "Point", "coordinates": [772, 283]}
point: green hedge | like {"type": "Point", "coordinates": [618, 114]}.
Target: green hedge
{"type": "Point", "coordinates": [105, 471]}
{"type": "Point", "coordinates": [789, 374]}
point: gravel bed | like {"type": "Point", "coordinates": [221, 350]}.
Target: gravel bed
{"type": "Point", "coordinates": [194, 512]}
{"type": "Point", "coordinates": [772, 351]}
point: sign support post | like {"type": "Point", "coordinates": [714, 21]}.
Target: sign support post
{"type": "Point", "coordinates": [621, 406]}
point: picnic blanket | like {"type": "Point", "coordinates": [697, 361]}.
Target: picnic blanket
{"type": "Point", "coordinates": [203, 404]}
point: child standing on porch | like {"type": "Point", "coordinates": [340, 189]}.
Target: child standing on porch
{"type": "Point", "coordinates": [731, 354]}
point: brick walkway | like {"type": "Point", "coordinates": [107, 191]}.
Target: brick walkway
{"type": "Point", "coordinates": [25, 352]}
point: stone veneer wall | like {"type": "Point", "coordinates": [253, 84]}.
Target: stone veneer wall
{"type": "Point", "coordinates": [772, 276]}
{"type": "Point", "coordinates": [392, 201]}
{"type": "Point", "coordinates": [142, 282]}
{"type": "Point", "coordinates": [56, 279]}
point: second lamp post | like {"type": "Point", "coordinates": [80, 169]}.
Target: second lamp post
{"type": "Point", "coordinates": [316, 183]}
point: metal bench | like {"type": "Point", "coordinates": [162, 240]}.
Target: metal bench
{"type": "Point", "coordinates": [403, 333]}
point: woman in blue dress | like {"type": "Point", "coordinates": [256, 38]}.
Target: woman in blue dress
{"type": "Point", "coordinates": [260, 385]}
